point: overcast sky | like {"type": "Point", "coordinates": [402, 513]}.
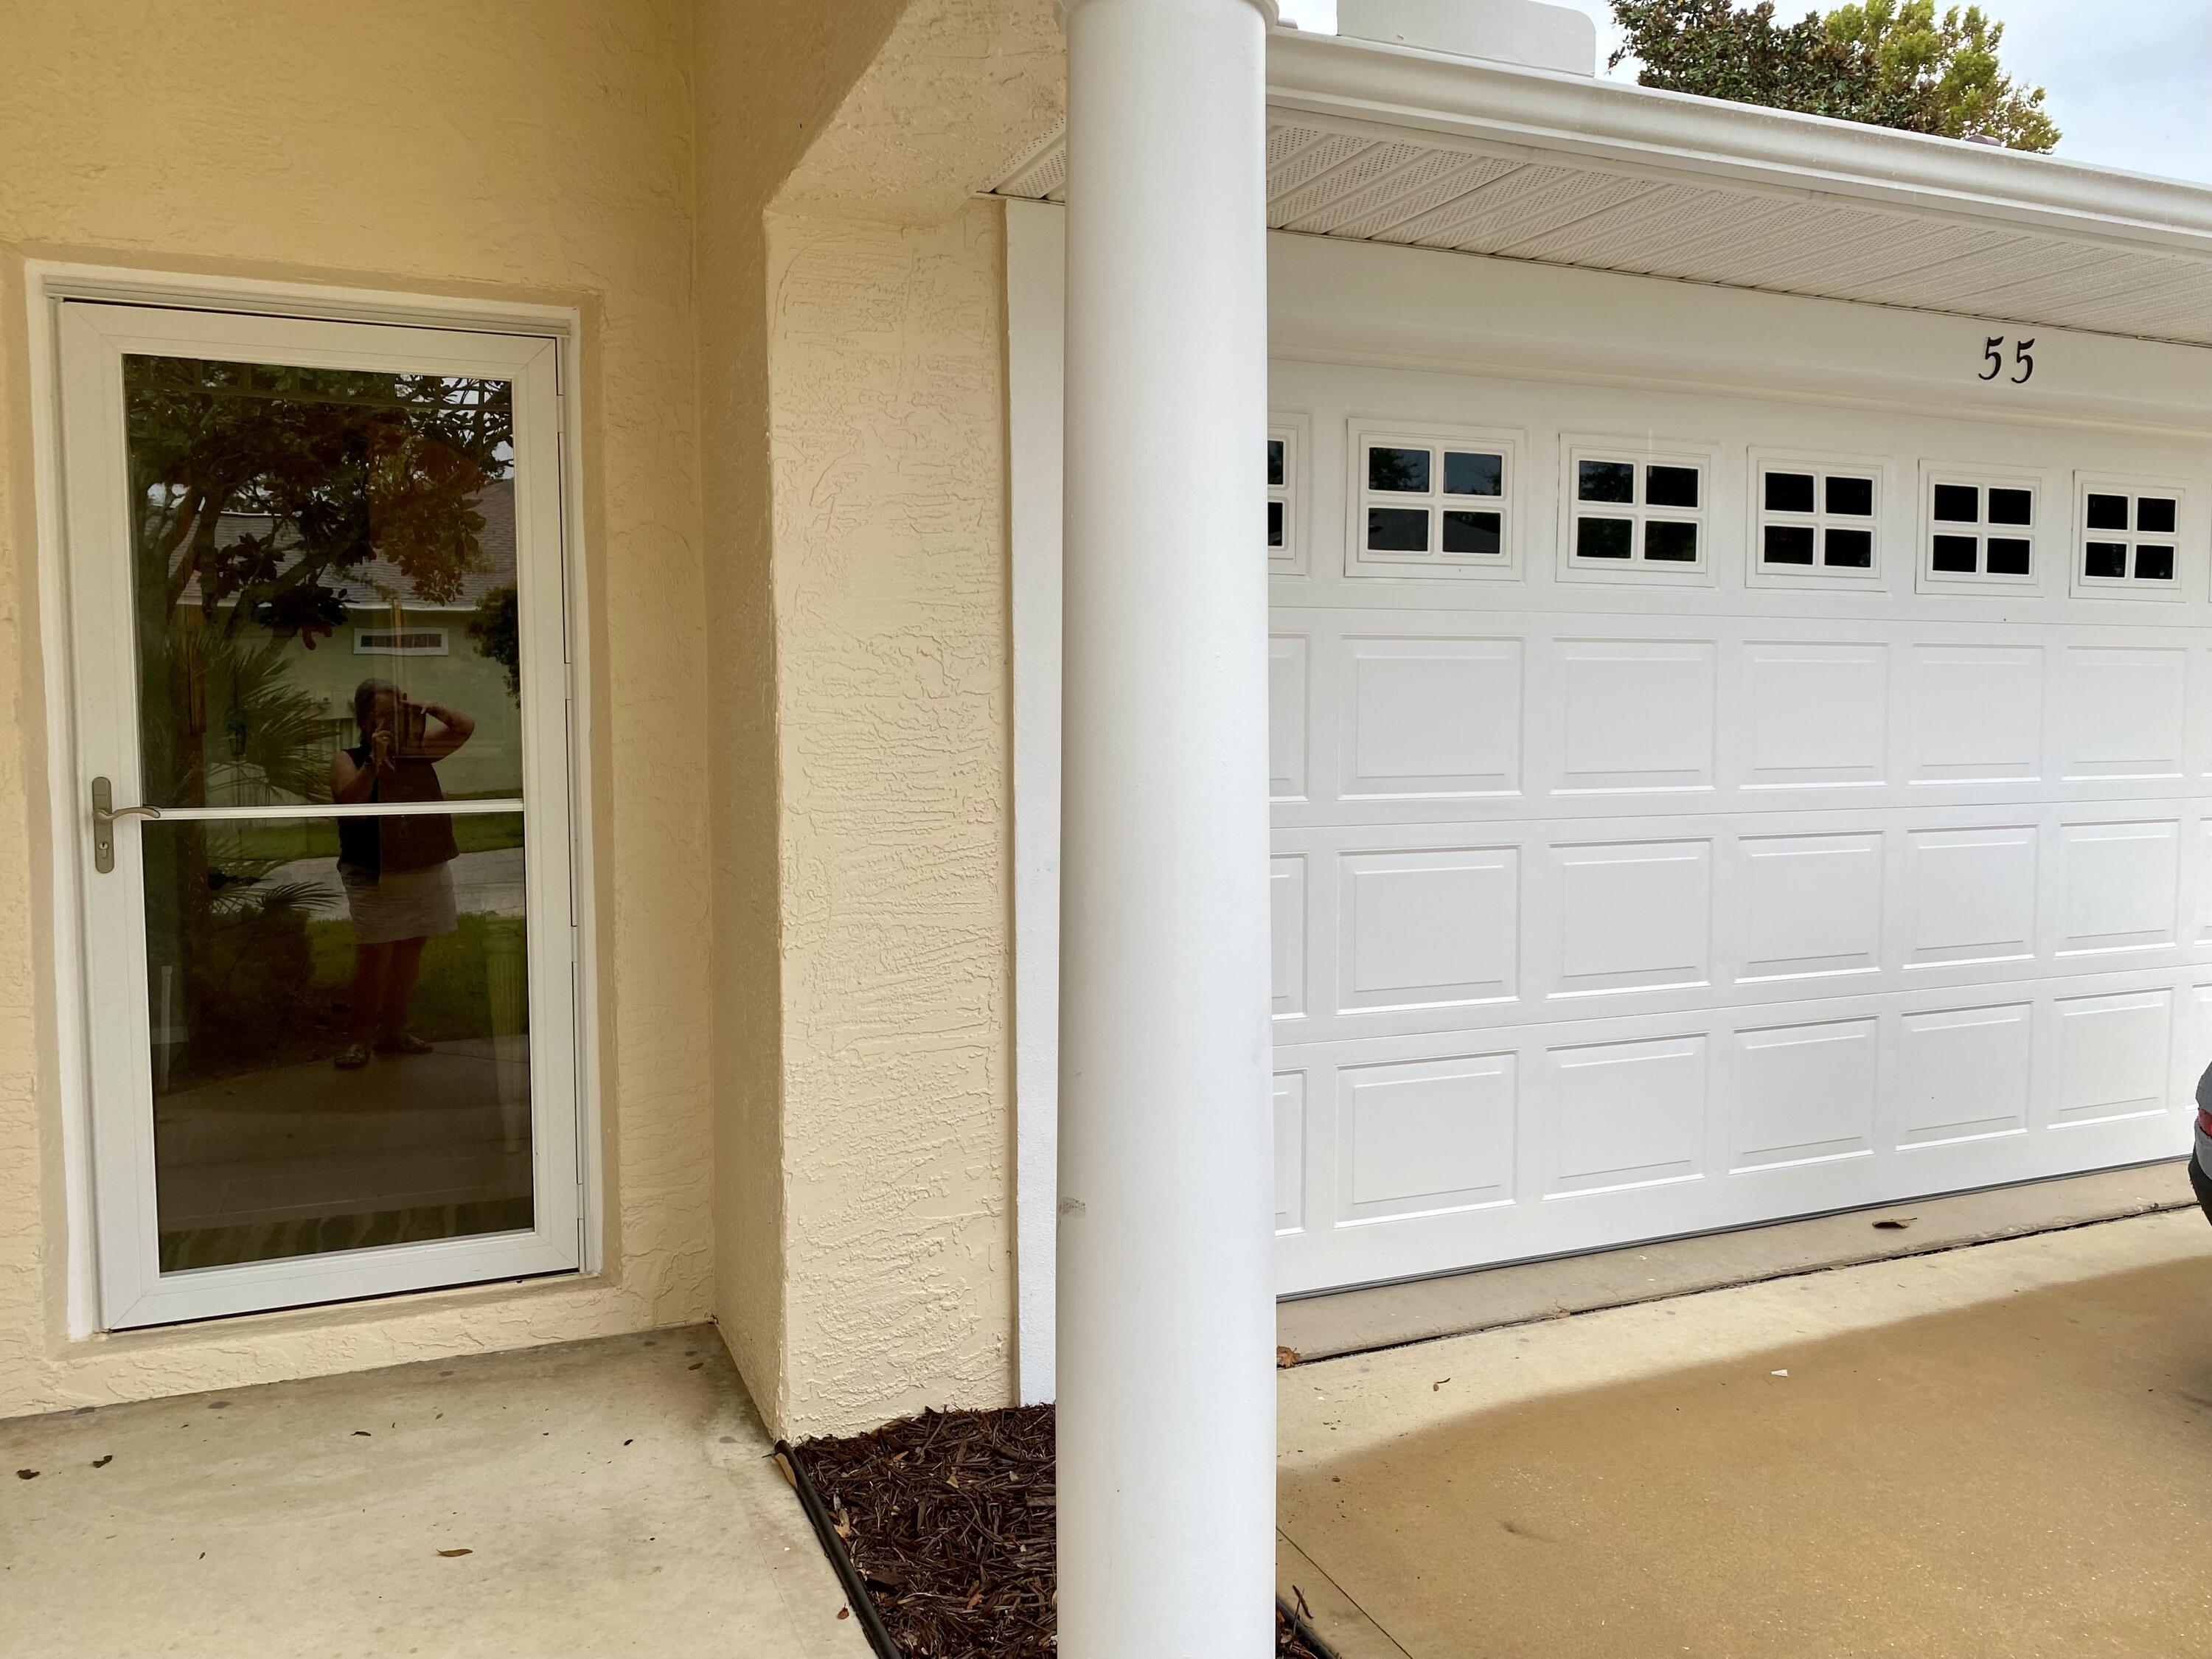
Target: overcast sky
{"type": "Point", "coordinates": [2130, 81]}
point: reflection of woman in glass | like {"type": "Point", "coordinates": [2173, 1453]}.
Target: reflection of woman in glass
{"type": "Point", "coordinates": [397, 882]}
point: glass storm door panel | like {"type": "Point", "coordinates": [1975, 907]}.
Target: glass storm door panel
{"type": "Point", "coordinates": [316, 597]}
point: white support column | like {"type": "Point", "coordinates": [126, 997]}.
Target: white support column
{"type": "Point", "coordinates": [1166, 1310]}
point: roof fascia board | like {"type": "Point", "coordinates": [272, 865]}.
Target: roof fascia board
{"type": "Point", "coordinates": [1379, 86]}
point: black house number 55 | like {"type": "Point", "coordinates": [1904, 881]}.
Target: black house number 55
{"type": "Point", "coordinates": [2023, 359]}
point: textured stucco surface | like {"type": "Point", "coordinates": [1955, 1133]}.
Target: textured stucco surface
{"type": "Point", "coordinates": [531, 150]}
{"type": "Point", "coordinates": [768, 79]}
{"type": "Point", "coordinates": [892, 631]}
{"type": "Point", "coordinates": [885, 330]}
{"type": "Point", "coordinates": [793, 457]}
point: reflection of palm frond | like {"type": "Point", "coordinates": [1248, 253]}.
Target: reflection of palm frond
{"type": "Point", "coordinates": [266, 725]}
{"type": "Point", "coordinates": [250, 896]}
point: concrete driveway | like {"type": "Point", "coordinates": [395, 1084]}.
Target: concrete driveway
{"type": "Point", "coordinates": [2003, 1450]}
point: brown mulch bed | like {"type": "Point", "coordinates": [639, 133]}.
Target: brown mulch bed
{"type": "Point", "coordinates": [948, 1517]}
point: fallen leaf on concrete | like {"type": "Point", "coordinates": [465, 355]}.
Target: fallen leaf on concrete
{"type": "Point", "coordinates": [27, 1474]}
{"type": "Point", "coordinates": [844, 1613]}
{"type": "Point", "coordinates": [1438, 1384]}
{"type": "Point", "coordinates": [1286, 1358]}
{"type": "Point", "coordinates": [450, 1554]}
{"type": "Point", "coordinates": [1896, 1224]}
{"type": "Point", "coordinates": [695, 1364]}
{"type": "Point", "coordinates": [1777, 1373]}
{"type": "Point", "coordinates": [102, 1462]}
{"type": "Point", "coordinates": [364, 1434]}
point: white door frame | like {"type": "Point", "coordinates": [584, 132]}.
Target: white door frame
{"type": "Point", "coordinates": [530, 340]}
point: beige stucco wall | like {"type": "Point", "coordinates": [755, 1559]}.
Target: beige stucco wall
{"type": "Point", "coordinates": [532, 150]}
{"type": "Point", "coordinates": [794, 457]}
{"type": "Point", "coordinates": [885, 335]}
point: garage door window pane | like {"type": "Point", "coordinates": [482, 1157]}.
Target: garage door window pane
{"type": "Point", "coordinates": [1274, 462]}
{"type": "Point", "coordinates": [1955, 554]}
{"type": "Point", "coordinates": [1851, 497]}
{"type": "Point", "coordinates": [2008, 557]}
{"type": "Point", "coordinates": [1850, 549]}
{"type": "Point", "coordinates": [1606, 481]}
{"type": "Point", "coordinates": [1788, 544]}
{"type": "Point", "coordinates": [1473, 474]}
{"type": "Point", "coordinates": [2154, 564]}
{"type": "Point", "coordinates": [1673, 542]}
{"type": "Point", "coordinates": [1274, 524]}
{"type": "Point", "coordinates": [1403, 471]}
{"type": "Point", "coordinates": [2012, 507]}
{"type": "Point", "coordinates": [1604, 539]}
{"type": "Point", "coordinates": [1398, 529]}
{"type": "Point", "coordinates": [2107, 560]}
{"type": "Point", "coordinates": [1789, 492]}
{"type": "Point", "coordinates": [2154, 516]}
{"type": "Point", "coordinates": [1958, 504]}
{"type": "Point", "coordinates": [2108, 513]}
{"type": "Point", "coordinates": [1671, 486]}
{"type": "Point", "coordinates": [1471, 532]}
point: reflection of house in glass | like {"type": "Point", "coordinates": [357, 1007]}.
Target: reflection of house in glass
{"type": "Point", "coordinates": [455, 650]}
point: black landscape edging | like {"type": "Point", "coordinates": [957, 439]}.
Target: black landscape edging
{"type": "Point", "coordinates": [841, 1558]}
{"type": "Point", "coordinates": [864, 1604]}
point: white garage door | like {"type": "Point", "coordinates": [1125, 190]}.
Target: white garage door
{"type": "Point", "coordinates": [1694, 810]}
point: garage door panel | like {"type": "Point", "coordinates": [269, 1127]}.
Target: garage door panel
{"type": "Point", "coordinates": [2119, 886]}
{"type": "Point", "coordinates": [1978, 713]}
{"type": "Point", "coordinates": [1430, 718]}
{"type": "Point", "coordinates": [2122, 712]}
{"type": "Point", "coordinates": [1817, 712]}
{"type": "Point", "coordinates": [1418, 1139]}
{"type": "Point", "coordinates": [2110, 1057]}
{"type": "Point", "coordinates": [1637, 1127]}
{"type": "Point", "coordinates": [1416, 928]}
{"type": "Point", "coordinates": [1289, 716]}
{"type": "Point", "coordinates": [1971, 895]}
{"type": "Point", "coordinates": [1635, 715]}
{"type": "Point", "coordinates": [1629, 915]}
{"type": "Point", "coordinates": [1627, 1113]}
{"type": "Point", "coordinates": [1628, 907]}
{"type": "Point", "coordinates": [1435, 928]}
{"type": "Point", "coordinates": [1810, 905]}
{"type": "Point", "coordinates": [1965, 1073]}
{"type": "Point", "coordinates": [1804, 1093]}
{"type": "Point", "coordinates": [1392, 717]}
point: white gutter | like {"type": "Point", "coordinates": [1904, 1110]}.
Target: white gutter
{"type": "Point", "coordinates": [1639, 129]}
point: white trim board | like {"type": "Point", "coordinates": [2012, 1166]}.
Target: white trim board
{"type": "Point", "coordinates": [1036, 266]}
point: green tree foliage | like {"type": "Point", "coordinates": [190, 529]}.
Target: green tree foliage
{"type": "Point", "coordinates": [1885, 63]}
{"type": "Point", "coordinates": [262, 488]}
{"type": "Point", "coordinates": [496, 629]}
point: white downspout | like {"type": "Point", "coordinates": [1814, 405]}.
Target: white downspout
{"type": "Point", "coordinates": [1166, 1313]}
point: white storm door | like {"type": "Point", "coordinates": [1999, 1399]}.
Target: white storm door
{"type": "Point", "coordinates": [322, 802]}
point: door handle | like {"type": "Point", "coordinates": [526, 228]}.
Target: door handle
{"type": "Point", "coordinates": [104, 813]}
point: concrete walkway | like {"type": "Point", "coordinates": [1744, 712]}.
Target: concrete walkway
{"type": "Point", "coordinates": [612, 1497]}
{"type": "Point", "coordinates": [2002, 1451]}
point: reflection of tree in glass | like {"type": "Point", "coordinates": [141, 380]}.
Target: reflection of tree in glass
{"type": "Point", "coordinates": [496, 629]}
{"type": "Point", "coordinates": [262, 493]}
{"type": "Point", "coordinates": [265, 486]}
{"type": "Point", "coordinates": [276, 738]}
{"type": "Point", "coordinates": [1396, 468]}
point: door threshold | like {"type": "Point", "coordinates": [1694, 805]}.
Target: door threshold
{"type": "Point", "coordinates": [1418, 1311]}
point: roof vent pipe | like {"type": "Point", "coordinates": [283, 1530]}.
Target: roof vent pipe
{"type": "Point", "coordinates": [1521, 32]}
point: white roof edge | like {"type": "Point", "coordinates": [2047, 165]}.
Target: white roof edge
{"type": "Point", "coordinates": [1376, 84]}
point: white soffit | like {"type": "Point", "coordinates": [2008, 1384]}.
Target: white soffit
{"type": "Point", "coordinates": [1383, 143]}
